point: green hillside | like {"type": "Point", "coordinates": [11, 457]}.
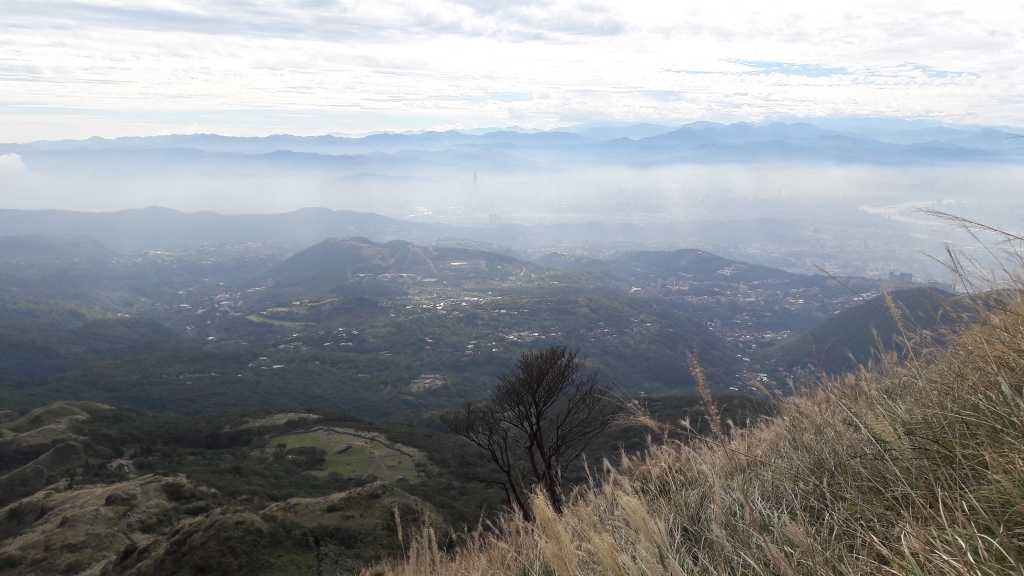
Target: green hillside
{"type": "Point", "coordinates": [197, 495]}
{"type": "Point", "coordinates": [121, 332]}
{"type": "Point", "coordinates": [854, 336]}
{"type": "Point", "coordinates": [31, 358]}
{"type": "Point", "coordinates": [351, 454]}
{"type": "Point", "coordinates": [49, 352]}
{"type": "Point", "coordinates": [351, 324]}
{"type": "Point", "coordinates": [350, 264]}
{"type": "Point", "coordinates": [688, 264]}
{"type": "Point", "coordinates": [255, 492]}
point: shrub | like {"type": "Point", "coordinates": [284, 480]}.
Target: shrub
{"type": "Point", "coordinates": [307, 457]}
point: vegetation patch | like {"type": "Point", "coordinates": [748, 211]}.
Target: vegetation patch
{"type": "Point", "coordinates": [277, 420]}
{"type": "Point", "coordinates": [350, 455]}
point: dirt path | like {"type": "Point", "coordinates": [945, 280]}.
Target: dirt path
{"type": "Point", "coordinates": [377, 463]}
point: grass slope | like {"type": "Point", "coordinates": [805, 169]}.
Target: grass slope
{"type": "Point", "coordinates": [353, 455]}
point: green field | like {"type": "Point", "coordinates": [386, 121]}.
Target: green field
{"type": "Point", "coordinates": [353, 456]}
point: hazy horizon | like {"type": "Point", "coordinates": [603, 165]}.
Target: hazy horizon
{"type": "Point", "coordinates": [841, 122]}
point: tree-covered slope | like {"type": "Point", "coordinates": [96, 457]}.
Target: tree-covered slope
{"type": "Point", "coordinates": [691, 264]}
{"type": "Point", "coordinates": [52, 249]}
{"type": "Point", "coordinates": [856, 335]}
{"type": "Point", "coordinates": [34, 355]}
{"type": "Point", "coordinates": [336, 263]}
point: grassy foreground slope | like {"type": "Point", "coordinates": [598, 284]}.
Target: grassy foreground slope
{"type": "Point", "coordinates": [913, 468]}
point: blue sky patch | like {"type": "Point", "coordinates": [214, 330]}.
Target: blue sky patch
{"type": "Point", "coordinates": [510, 96]}
{"type": "Point", "coordinates": [791, 69]}
{"type": "Point", "coordinates": [933, 73]}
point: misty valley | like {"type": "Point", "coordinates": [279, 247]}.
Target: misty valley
{"type": "Point", "coordinates": [264, 406]}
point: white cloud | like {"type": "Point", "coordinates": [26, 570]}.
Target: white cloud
{"type": "Point", "coordinates": [10, 163]}
{"type": "Point", "coordinates": [318, 66]}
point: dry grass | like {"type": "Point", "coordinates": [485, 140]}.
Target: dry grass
{"type": "Point", "coordinates": [906, 468]}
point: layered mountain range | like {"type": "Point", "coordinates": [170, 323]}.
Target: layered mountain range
{"type": "Point", "coordinates": [511, 150]}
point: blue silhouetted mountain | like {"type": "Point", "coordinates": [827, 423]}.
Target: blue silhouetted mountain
{"type": "Point", "coordinates": [510, 150]}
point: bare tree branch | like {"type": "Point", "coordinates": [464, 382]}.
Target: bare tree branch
{"type": "Point", "coordinates": [544, 412]}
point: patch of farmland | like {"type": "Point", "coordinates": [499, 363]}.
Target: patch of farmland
{"type": "Point", "coordinates": [353, 456]}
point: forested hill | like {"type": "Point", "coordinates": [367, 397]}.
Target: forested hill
{"type": "Point", "coordinates": [337, 261]}
{"type": "Point", "coordinates": [647, 267]}
{"type": "Point", "coordinates": [353, 324]}
{"type": "Point", "coordinates": [348, 324]}
{"type": "Point", "coordinates": [855, 336]}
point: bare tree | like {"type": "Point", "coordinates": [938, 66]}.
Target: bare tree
{"type": "Point", "coordinates": [540, 418]}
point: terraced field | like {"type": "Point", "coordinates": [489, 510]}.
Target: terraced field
{"type": "Point", "coordinates": [353, 456]}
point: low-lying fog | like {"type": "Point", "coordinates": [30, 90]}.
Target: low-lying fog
{"type": "Point", "coordinates": [855, 211]}
{"type": "Point", "coordinates": [989, 192]}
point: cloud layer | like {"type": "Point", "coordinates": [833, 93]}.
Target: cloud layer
{"type": "Point", "coordinates": [10, 163]}
{"type": "Point", "coordinates": [113, 67]}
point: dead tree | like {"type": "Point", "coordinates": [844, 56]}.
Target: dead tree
{"type": "Point", "coordinates": [544, 412]}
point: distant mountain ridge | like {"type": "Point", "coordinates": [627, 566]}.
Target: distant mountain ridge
{"type": "Point", "coordinates": [156, 228]}
{"type": "Point", "coordinates": [638, 145]}
{"type": "Point", "coordinates": [644, 173]}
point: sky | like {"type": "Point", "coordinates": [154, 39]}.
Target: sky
{"type": "Point", "coordinates": [81, 68]}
